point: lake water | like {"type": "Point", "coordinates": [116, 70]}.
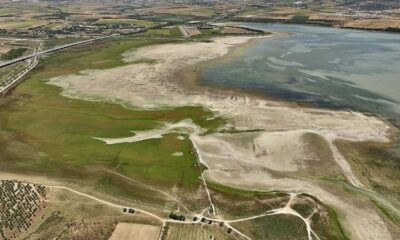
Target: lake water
{"type": "Point", "coordinates": [326, 66]}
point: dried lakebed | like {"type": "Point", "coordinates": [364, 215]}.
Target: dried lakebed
{"type": "Point", "coordinates": [275, 157]}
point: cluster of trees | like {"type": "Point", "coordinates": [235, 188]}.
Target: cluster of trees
{"type": "Point", "coordinates": [19, 204]}
{"type": "Point", "coordinates": [177, 217]}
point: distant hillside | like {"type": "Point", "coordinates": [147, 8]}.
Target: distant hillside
{"type": "Point", "coordinates": [361, 5]}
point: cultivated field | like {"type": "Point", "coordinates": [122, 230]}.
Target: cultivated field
{"type": "Point", "coordinates": [188, 31]}
{"type": "Point", "coordinates": [196, 232]}
{"type": "Point", "coordinates": [129, 231]}
{"type": "Point", "coordinates": [236, 30]}
{"type": "Point", "coordinates": [191, 10]}
{"type": "Point", "coordinates": [164, 32]}
{"type": "Point", "coordinates": [143, 23]}
{"type": "Point", "coordinates": [374, 24]}
{"type": "Point", "coordinates": [23, 23]}
{"type": "Point", "coordinates": [21, 205]}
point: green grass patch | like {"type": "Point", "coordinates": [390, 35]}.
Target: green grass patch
{"type": "Point", "coordinates": [387, 213]}
{"type": "Point", "coordinates": [198, 232]}
{"type": "Point", "coordinates": [304, 209]}
{"type": "Point", "coordinates": [328, 228]}
{"type": "Point", "coordinates": [164, 32]}
{"type": "Point", "coordinates": [24, 23]}
{"type": "Point", "coordinates": [376, 164]}
{"type": "Point", "coordinates": [212, 31]}
{"type": "Point", "coordinates": [44, 132]}
{"type": "Point", "coordinates": [320, 152]}
{"type": "Point", "coordinates": [8, 11]}
{"type": "Point", "coordinates": [13, 53]}
{"type": "Point", "coordinates": [242, 193]}
{"type": "Point", "coordinates": [274, 227]}
{"type": "Point", "coordinates": [234, 203]}
{"type": "Point", "coordinates": [299, 19]}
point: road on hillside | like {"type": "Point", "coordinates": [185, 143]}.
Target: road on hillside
{"type": "Point", "coordinates": [23, 58]}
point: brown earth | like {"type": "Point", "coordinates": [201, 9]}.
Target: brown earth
{"type": "Point", "coordinates": [128, 231]}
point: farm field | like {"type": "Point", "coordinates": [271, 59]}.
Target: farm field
{"type": "Point", "coordinates": [8, 11]}
{"type": "Point", "coordinates": [138, 22]}
{"type": "Point", "coordinates": [128, 231]}
{"type": "Point", "coordinates": [164, 32]}
{"type": "Point", "coordinates": [192, 11]}
{"type": "Point", "coordinates": [189, 31]}
{"type": "Point", "coordinates": [71, 216]}
{"type": "Point", "coordinates": [23, 23]}
{"type": "Point", "coordinates": [196, 232]}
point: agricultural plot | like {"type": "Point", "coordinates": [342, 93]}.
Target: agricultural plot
{"type": "Point", "coordinates": [8, 11]}
{"type": "Point", "coordinates": [188, 31]}
{"type": "Point", "coordinates": [189, 11]}
{"type": "Point", "coordinates": [21, 24]}
{"type": "Point", "coordinates": [164, 32]}
{"type": "Point", "coordinates": [128, 231]}
{"type": "Point", "coordinates": [210, 32]}
{"type": "Point", "coordinates": [73, 216]}
{"type": "Point", "coordinates": [21, 204]}
{"type": "Point", "coordinates": [236, 30]}
{"type": "Point", "coordinates": [196, 232]}
{"type": "Point", "coordinates": [117, 21]}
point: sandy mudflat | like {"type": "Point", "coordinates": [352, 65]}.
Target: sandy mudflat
{"type": "Point", "coordinates": [131, 231]}
{"type": "Point", "coordinates": [249, 160]}
{"type": "Point", "coordinates": [155, 85]}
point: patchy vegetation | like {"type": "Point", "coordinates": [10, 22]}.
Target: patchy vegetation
{"type": "Point", "coordinates": [376, 164]}
{"type": "Point", "coordinates": [20, 206]}
{"type": "Point", "coordinates": [235, 203]}
{"type": "Point", "coordinates": [198, 232]}
{"type": "Point", "coordinates": [164, 32]}
{"type": "Point", "coordinates": [274, 227]}
{"type": "Point", "coordinates": [61, 144]}
{"type": "Point", "coordinates": [13, 53]}
{"type": "Point", "coordinates": [117, 21]}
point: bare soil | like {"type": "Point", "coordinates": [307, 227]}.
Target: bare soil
{"type": "Point", "coordinates": [128, 231]}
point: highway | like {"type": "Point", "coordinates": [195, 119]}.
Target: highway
{"type": "Point", "coordinates": [14, 79]}
{"type": "Point", "coordinates": [23, 58]}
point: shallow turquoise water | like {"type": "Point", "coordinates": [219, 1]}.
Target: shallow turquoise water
{"type": "Point", "coordinates": [326, 66]}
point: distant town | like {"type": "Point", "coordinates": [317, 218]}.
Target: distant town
{"type": "Point", "coordinates": [62, 20]}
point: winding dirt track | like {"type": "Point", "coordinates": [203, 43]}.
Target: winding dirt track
{"type": "Point", "coordinates": [285, 210]}
{"type": "Point", "coordinates": [152, 86]}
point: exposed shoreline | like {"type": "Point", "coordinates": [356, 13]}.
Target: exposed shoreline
{"type": "Point", "coordinates": [318, 24]}
{"type": "Point", "coordinates": [247, 159]}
